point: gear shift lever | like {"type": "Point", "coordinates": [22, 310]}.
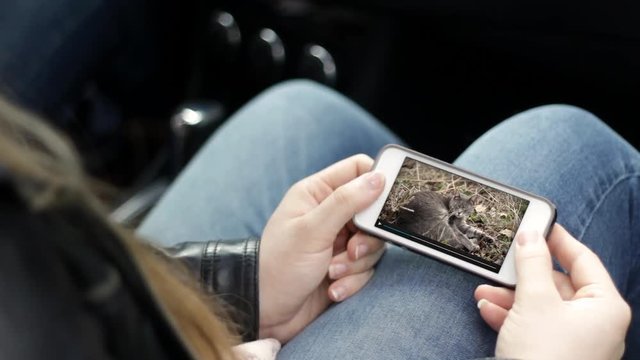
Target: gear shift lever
{"type": "Point", "coordinates": [191, 125]}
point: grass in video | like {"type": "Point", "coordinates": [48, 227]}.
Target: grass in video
{"type": "Point", "coordinates": [441, 206]}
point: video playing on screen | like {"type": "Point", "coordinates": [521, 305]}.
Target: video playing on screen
{"type": "Point", "coordinates": [455, 215]}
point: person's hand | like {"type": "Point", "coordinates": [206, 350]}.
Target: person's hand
{"type": "Point", "coordinates": [552, 315]}
{"type": "Point", "coordinates": [310, 252]}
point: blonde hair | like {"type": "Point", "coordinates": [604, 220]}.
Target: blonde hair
{"type": "Point", "coordinates": [48, 173]}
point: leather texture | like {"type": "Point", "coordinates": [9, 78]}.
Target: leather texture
{"type": "Point", "coordinates": [70, 286]}
{"type": "Point", "coordinates": [228, 269]}
{"type": "Point", "coordinates": [70, 290]}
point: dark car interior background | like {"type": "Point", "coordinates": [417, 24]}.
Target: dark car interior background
{"type": "Point", "coordinates": [438, 73]}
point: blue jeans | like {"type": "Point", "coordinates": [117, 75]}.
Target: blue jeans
{"type": "Point", "coordinates": [413, 307]}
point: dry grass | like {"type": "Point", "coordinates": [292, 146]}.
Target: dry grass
{"type": "Point", "coordinates": [496, 213]}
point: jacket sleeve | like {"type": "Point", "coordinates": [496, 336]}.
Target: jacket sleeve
{"type": "Point", "coordinates": [229, 269]}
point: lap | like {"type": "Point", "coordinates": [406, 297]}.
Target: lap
{"type": "Point", "coordinates": [575, 160]}
{"type": "Point", "coordinates": [414, 307]}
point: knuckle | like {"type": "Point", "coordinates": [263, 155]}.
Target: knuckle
{"type": "Point", "coordinates": [303, 184]}
{"type": "Point", "coordinates": [380, 253]}
{"type": "Point", "coordinates": [532, 256]}
{"type": "Point", "coordinates": [378, 247]}
{"type": "Point", "coordinates": [302, 226]}
{"type": "Point", "coordinates": [364, 161]}
{"type": "Point", "coordinates": [372, 261]}
{"type": "Point", "coordinates": [625, 312]}
{"type": "Point", "coordinates": [312, 186]}
{"type": "Point", "coordinates": [364, 158]}
{"type": "Point", "coordinates": [342, 197]}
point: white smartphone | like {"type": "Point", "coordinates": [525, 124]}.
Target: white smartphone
{"type": "Point", "coordinates": [440, 210]}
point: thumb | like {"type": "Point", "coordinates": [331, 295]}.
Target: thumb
{"type": "Point", "coordinates": [338, 209]}
{"type": "Point", "coordinates": [534, 269]}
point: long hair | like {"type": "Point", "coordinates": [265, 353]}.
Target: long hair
{"type": "Point", "coordinates": [48, 173]}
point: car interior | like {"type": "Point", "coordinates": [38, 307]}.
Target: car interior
{"type": "Point", "coordinates": [438, 73]}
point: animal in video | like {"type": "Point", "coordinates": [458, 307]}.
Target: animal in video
{"type": "Point", "coordinates": [442, 218]}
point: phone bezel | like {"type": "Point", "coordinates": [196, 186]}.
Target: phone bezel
{"type": "Point", "coordinates": [539, 216]}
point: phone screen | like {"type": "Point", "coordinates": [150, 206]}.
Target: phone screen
{"type": "Point", "coordinates": [455, 215]}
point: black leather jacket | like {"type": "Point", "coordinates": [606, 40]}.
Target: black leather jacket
{"type": "Point", "coordinates": [69, 289]}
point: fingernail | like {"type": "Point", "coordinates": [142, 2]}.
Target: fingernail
{"type": "Point", "coordinates": [374, 180]}
{"type": "Point", "coordinates": [335, 270]}
{"type": "Point", "coordinates": [482, 302]}
{"type": "Point", "coordinates": [361, 250]}
{"type": "Point", "coordinates": [337, 293]}
{"type": "Point", "coordinates": [527, 238]}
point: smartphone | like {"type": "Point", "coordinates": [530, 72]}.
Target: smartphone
{"type": "Point", "coordinates": [440, 210]}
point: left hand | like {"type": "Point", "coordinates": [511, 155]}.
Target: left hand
{"type": "Point", "coordinates": [311, 254]}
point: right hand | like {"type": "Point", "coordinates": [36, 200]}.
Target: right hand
{"type": "Point", "coordinates": [551, 315]}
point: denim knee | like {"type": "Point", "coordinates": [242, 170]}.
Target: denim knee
{"type": "Point", "coordinates": [314, 99]}
{"type": "Point", "coordinates": [568, 119]}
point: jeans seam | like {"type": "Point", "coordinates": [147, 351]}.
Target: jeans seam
{"type": "Point", "coordinates": [617, 182]}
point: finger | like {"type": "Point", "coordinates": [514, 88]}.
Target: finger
{"type": "Point", "coordinates": [345, 170]}
{"type": "Point", "coordinates": [497, 295]}
{"type": "Point", "coordinates": [321, 184]}
{"type": "Point", "coordinates": [340, 244]}
{"type": "Point", "coordinates": [342, 266]}
{"type": "Point", "coordinates": [534, 269]}
{"type": "Point", "coordinates": [338, 208]}
{"type": "Point", "coordinates": [583, 265]}
{"type": "Point", "coordinates": [352, 227]}
{"type": "Point", "coordinates": [563, 285]}
{"type": "Point", "coordinates": [362, 244]}
{"type": "Point", "coordinates": [504, 297]}
{"type": "Point", "coordinates": [492, 314]}
{"type": "Point", "coordinates": [342, 289]}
